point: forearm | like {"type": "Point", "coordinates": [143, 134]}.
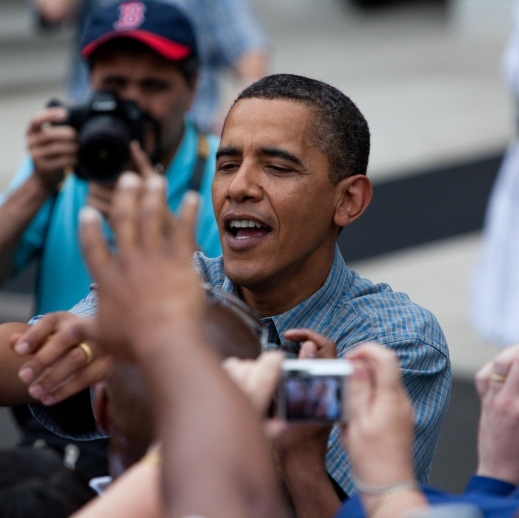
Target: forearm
{"type": "Point", "coordinates": [16, 214]}
{"type": "Point", "coordinates": [212, 440]}
{"type": "Point", "coordinates": [310, 488]}
{"type": "Point", "coordinates": [12, 391]}
{"type": "Point", "coordinates": [134, 494]}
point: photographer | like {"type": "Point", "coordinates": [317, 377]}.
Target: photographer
{"type": "Point", "coordinates": [152, 60]}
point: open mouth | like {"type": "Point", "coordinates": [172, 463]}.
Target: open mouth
{"type": "Point", "coordinates": [246, 228]}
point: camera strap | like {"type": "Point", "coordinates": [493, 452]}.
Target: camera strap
{"type": "Point", "coordinates": [201, 159]}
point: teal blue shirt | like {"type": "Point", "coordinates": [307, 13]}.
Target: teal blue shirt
{"type": "Point", "coordinates": [63, 279]}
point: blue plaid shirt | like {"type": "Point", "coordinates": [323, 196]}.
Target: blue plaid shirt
{"type": "Point", "coordinates": [350, 310]}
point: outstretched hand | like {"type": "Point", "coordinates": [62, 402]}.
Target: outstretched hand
{"type": "Point", "coordinates": [498, 387]}
{"type": "Point", "coordinates": [379, 434]}
{"type": "Point", "coordinates": [150, 278]}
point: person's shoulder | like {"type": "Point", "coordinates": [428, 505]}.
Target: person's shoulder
{"type": "Point", "coordinates": [391, 315]}
{"type": "Point", "coordinates": [210, 269]}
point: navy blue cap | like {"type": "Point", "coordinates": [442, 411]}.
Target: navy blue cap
{"type": "Point", "coordinates": [161, 26]}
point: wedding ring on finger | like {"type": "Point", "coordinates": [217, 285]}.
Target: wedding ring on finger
{"type": "Point", "coordinates": [88, 352]}
{"type": "Point", "coordinates": [498, 378]}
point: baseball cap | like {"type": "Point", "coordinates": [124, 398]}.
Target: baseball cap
{"type": "Point", "coordinates": [161, 26]}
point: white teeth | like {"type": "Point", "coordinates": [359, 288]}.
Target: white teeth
{"type": "Point", "coordinates": [244, 223]}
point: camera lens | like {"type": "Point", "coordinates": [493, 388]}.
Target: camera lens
{"type": "Point", "coordinates": [103, 149]}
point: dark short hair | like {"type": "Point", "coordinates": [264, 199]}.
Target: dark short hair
{"type": "Point", "coordinates": [188, 67]}
{"type": "Point", "coordinates": [36, 483]}
{"type": "Point", "coordinates": [340, 130]}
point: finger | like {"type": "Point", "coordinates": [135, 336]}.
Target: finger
{"type": "Point", "coordinates": [503, 361]}
{"type": "Point", "coordinates": [50, 115]}
{"type": "Point", "coordinates": [264, 379]}
{"type": "Point", "coordinates": [56, 164]}
{"type": "Point", "coordinates": [74, 360]}
{"type": "Point", "coordinates": [53, 136]}
{"type": "Point", "coordinates": [360, 392]}
{"type": "Point", "coordinates": [184, 238]}
{"type": "Point", "coordinates": [275, 428]}
{"type": "Point", "coordinates": [308, 350]}
{"type": "Point", "coordinates": [511, 384]}
{"type": "Point", "coordinates": [326, 348]}
{"type": "Point", "coordinates": [124, 212]}
{"type": "Point", "coordinates": [54, 348]}
{"type": "Point", "coordinates": [482, 379]}
{"type": "Point", "coordinates": [79, 381]}
{"type": "Point", "coordinates": [384, 363]}
{"type": "Point", "coordinates": [93, 244]}
{"type": "Point", "coordinates": [141, 160]}
{"type": "Point", "coordinates": [30, 341]}
{"type": "Point", "coordinates": [153, 213]}
{"type": "Point", "coordinates": [54, 150]}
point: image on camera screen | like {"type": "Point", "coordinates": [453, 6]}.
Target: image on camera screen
{"type": "Point", "coordinates": [313, 398]}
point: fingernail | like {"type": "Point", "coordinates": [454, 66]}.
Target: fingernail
{"type": "Point", "coordinates": [48, 400]}
{"type": "Point", "coordinates": [89, 214]}
{"type": "Point", "coordinates": [190, 197]}
{"type": "Point", "coordinates": [22, 348]}
{"type": "Point", "coordinates": [129, 181]}
{"type": "Point", "coordinates": [36, 391]}
{"type": "Point", "coordinates": [154, 183]}
{"type": "Point", "coordinates": [26, 374]}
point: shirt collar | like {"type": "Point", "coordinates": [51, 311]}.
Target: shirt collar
{"type": "Point", "coordinates": [315, 311]}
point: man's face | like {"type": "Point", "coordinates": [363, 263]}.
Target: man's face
{"type": "Point", "coordinates": [272, 196]}
{"type": "Point", "coordinates": [153, 82]}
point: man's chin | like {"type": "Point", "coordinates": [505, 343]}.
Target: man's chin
{"type": "Point", "coordinates": [245, 274]}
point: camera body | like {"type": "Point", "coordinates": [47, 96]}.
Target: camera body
{"type": "Point", "coordinates": [106, 125]}
{"type": "Point", "coordinates": [313, 391]}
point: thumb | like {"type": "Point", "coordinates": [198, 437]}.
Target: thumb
{"type": "Point", "coordinates": [359, 392]}
{"type": "Point", "coordinates": [308, 350]}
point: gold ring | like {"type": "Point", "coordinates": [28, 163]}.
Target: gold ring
{"type": "Point", "coordinates": [499, 378]}
{"type": "Point", "coordinates": [89, 354]}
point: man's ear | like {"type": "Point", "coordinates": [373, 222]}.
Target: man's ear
{"type": "Point", "coordinates": [101, 407]}
{"type": "Point", "coordinates": [354, 195]}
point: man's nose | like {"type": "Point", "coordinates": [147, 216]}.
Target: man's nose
{"type": "Point", "coordinates": [245, 184]}
{"type": "Point", "coordinates": [131, 93]}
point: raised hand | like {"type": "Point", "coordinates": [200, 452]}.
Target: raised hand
{"type": "Point", "coordinates": [150, 278]}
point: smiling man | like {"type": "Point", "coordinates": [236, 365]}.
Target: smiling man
{"type": "Point", "coordinates": [290, 174]}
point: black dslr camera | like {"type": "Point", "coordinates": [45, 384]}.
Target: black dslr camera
{"type": "Point", "coordinates": [106, 125]}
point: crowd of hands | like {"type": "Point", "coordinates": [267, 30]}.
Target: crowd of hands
{"type": "Point", "coordinates": [210, 419]}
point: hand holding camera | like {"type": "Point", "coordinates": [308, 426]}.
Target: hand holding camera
{"type": "Point", "coordinates": [92, 139]}
{"type": "Point", "coordinates": [52, 145]}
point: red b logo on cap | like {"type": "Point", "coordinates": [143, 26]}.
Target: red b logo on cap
{"type": "Point", "coordinates": [131, 16]}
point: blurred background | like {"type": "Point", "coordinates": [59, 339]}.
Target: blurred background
{"type": "Point", "coordinates": [426, 74]}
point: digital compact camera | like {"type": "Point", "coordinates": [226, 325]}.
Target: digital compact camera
{"type": "Point", "coordinates": [313, 391]}
{"type": "Point", "coordinates": [106, 125]}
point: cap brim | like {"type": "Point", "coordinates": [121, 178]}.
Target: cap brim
{"type": "Point", "coordinates": [167, 48]}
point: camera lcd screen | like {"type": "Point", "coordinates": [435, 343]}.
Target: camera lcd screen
{"type": "Point", "coordinates": [315, 398]}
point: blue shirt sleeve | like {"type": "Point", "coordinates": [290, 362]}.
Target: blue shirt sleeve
{"type": "Point", "coordinates": [491, 486]}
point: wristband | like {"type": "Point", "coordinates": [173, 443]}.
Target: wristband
{"type": "Point", "coordinates": [368, 489]}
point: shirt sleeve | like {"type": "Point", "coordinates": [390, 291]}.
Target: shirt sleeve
{"type": "Point", "coordinates": [236, 28]}
{"type": "Point", "coordinates": [87, 308]}
{"type": "Point", "coordinates": [491, 486]}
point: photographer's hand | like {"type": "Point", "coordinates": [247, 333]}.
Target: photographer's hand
{"type": "Point", "coordinates": [53, 147]}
